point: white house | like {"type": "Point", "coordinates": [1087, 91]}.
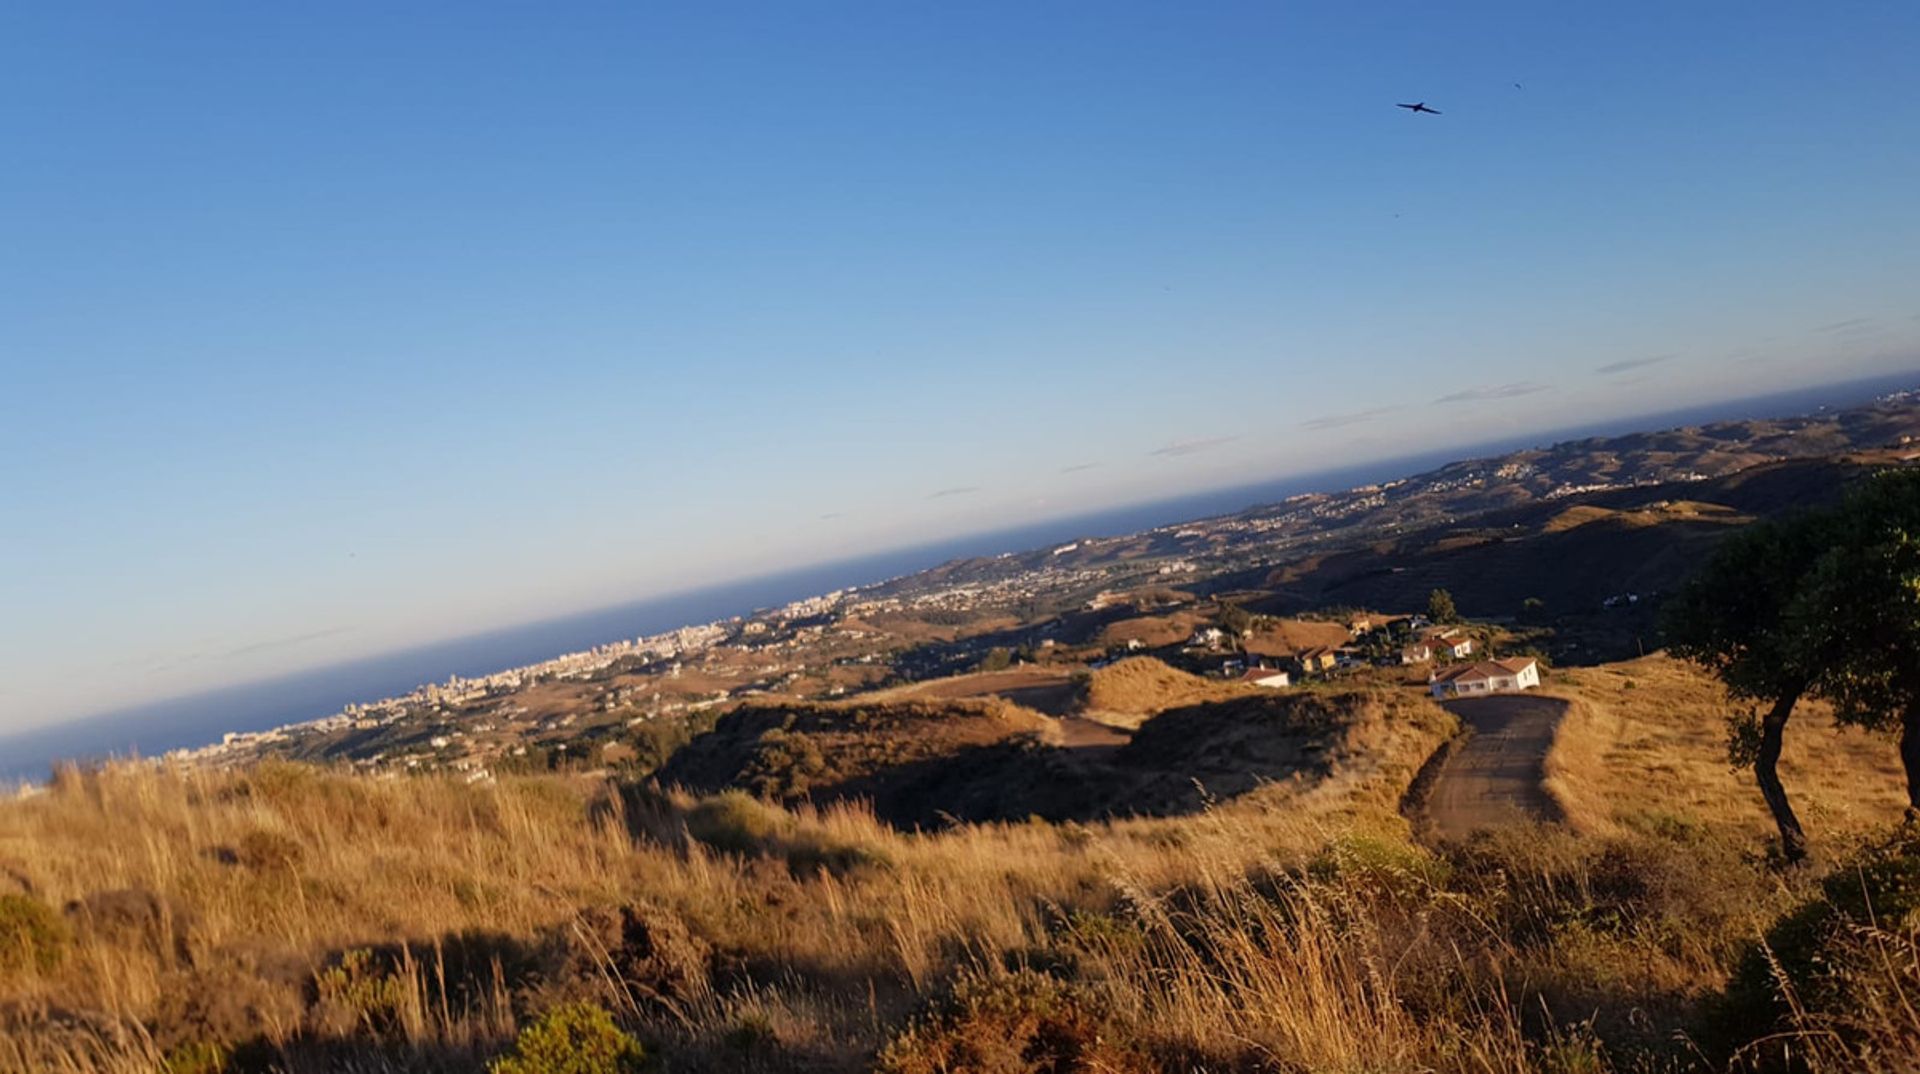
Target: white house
{"type": "Point", "coordinates": [1417, 653]}
{"type": "Point", "coordinates": [1270, 678]}
{"type": "Point", "coordinates": [1486, 677]}
{"type": "Point", "coordinates": [1211, 637]}
{"type": "Point", "coordinates": [1455, 647]}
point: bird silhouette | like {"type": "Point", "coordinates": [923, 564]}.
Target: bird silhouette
{"type": "Point", "coordinates": [1421, 107]}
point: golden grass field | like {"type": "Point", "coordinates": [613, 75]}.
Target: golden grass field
{"type": "Point", "coordinates": [1644, 744]}
{"type": "Point", "coordinates": [289, 918]}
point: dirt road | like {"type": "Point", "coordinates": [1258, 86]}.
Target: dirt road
{"type": "Point", "coordinates": [1492, 778]}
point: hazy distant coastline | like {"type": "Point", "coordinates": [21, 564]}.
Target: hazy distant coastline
{"type": "Point", "coordinates": [157, 727]}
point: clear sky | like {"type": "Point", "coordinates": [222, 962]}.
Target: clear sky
{"type": "Point", "coordinates": [331, 328]}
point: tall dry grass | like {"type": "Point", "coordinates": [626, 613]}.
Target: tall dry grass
{"type": "Point", "coordinates": [303, 920]}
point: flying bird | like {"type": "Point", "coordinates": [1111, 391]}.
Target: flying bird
{"type": "Point", "coordinates": [1421, 107]}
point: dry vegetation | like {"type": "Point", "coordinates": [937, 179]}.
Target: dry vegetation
{"type": "Point", "coordinates": [1128, 691]}
{"type": "Point", "coordinates": [292, 919]}
{"type": "Point", "coordinates": [1644, 746]}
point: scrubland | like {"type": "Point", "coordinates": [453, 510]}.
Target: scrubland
{"type": "Point", "coordinates": [297, 919]}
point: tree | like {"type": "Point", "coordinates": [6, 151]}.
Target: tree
{"type": "Point", "coordinates": [1743, 618]}
{"type": "Point", "coordinates": [1440, 607]}
{"type": "Point", "coordinates": [1862, 603]}
{"type": "Point", "coordinates": [1235, 620]}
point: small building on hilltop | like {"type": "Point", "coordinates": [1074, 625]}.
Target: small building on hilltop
{"type": "Point", "coordinates": [1270, 678]}
{"type": "Point", "coordinates": [1486, 677]}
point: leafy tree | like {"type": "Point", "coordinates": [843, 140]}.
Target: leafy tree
{"type": "Point", "coordinates": [1235, 620]}
{"type": "Point", "coordinates": [1742, 618]}
{"type": "Point", "coordinates": [997, 659]}
{"type": "Point", "coordinates": [1440, 607]}
{"type": "Point", "coordinates": [1862, 604]}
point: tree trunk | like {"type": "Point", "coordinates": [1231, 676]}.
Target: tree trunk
{"type": "Point", "coordinates": [1766, 770]}
{"type": "Point", "coordinates": [1910, 759]}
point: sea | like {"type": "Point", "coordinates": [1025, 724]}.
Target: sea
{"type": "Point", "coordinates": [184, 722]}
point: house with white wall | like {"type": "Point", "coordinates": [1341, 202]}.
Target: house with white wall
{"type": "Point", "coordinates": [1486, 677]}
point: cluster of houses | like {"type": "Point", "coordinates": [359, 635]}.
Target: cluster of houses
{"type": "Point", "coordinates": [1425, 643]}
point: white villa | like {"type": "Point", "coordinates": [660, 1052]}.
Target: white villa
{"type": "Point", "coordinates": [1486, 677]}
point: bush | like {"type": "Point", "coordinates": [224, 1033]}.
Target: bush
{"type": "Point", "coordinates": [32, 936]}
{"type": "Point", "coordinates": [1384, 866]}
{"type": "Point", "coordinates": [1018, 1023]}
{"type": "Point", "coordinates": [735, 822]}
{"type": "Point", "coordinates": [1830, 957]}
{"type": "Point", "coordinates": [633, 956]}
{"type": "Point", "coordinates": [263, 850]}
{"type": "Point", "coordinates": [135, 919]}
{"type": "Point", "coordinates": [196, 1057]}
{"type": "Point", "coordinates": [578, 1038]}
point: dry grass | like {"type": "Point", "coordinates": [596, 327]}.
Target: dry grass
{"type": "Point", "coordinates": [1645, 744]}
{"type": "Point", "coordinates": [1049, 690]}
{"type": "Point", "coordinates": [342, 923]}
{"type": "Point", "coordinates": [1285, 637]}
{"type": "Point", "coordinates": [1128, 691]}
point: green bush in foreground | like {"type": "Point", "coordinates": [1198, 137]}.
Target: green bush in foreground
{"type": "Point", "coordinates": [1828, 964]}
{"type": "Point", "coordinates": [577, 1038]}
{"type": "Point", "coordinates": [31, 935]}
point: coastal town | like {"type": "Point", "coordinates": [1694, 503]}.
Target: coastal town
{"type": "Point", "coordinates": [1315, 587]}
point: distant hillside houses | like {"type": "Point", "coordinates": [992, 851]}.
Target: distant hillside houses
{"type": "Point", "coordinates": [1318, 658]}
{"type": "Point", "coordinates": [1486, 677]}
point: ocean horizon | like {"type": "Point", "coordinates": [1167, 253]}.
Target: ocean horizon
{"type": "Point", "coordinates": [154, 728]}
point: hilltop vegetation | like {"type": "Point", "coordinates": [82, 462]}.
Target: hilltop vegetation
{"type": "Point", "coordinates": [1264, 908]}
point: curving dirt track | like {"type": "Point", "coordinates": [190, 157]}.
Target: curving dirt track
{"type": "Point", "coordinates": [1493, 776]}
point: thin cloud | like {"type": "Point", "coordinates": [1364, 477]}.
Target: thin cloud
{"type": "Point", "coordinates": [282, 643]}
{"type": "Point", "coordinates": [1191, 447]}
{"type": "Point", "coordinates": [1495, 391]}
{"type": "Point", "coordinates": [1335, 421]}
{"type": "Point", "coordinates": [1611, 368]}
{"type": "Point", "coordinates": [1077, 467]}
{"type": "Point", "coordinates": [1842, 326]}
{"type": "Point", "coordinates": [957, 490]}
{"type": "Point", "coordinates": [832, 514]}
{"type": "Point", "coordinates": [205, 655]}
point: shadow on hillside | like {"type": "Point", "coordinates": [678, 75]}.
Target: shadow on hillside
{"type": "Point", "coordinates": [1179, 762]}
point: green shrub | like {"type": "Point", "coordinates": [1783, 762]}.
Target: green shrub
{"type": "Point", "coordinates": [358, 991]}
{"type": "Point", "coordinates": [735, 822]}
{"type": "Point", "coordinates": [1830, 955]}
{"type": "Point", "coordinates": [196, 1057]}
{"type": "Point", "coordinates": [577, 1038]}
{"type": "Point", "coordinates": [1385, 866]}
{"type": "Point", "coordinates": [32, 936]}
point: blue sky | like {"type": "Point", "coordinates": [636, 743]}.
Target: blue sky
{"type": "Point", "coordinates": [326, 329]}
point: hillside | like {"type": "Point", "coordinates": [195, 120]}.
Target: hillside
{"type": "Point", "coordinates": [1127, 691]}
{"type": "Point", "coordinates": [1232, 889]}
{"type": "Point", "coordinates": [922, 765]}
